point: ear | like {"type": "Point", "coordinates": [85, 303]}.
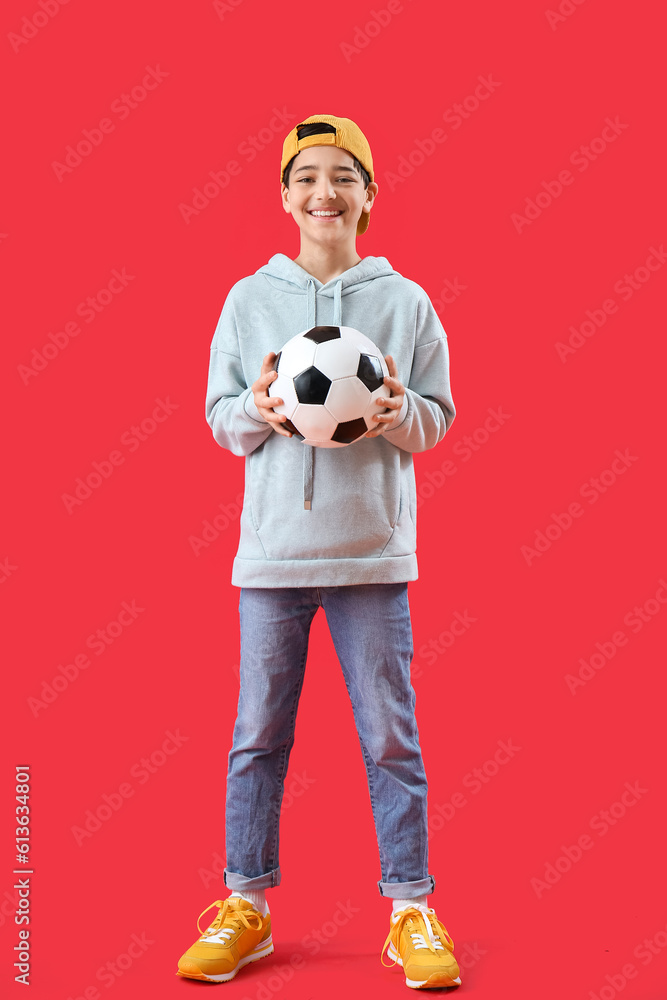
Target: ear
{"type": "Point", "coordinates": [371, 193]}
{"type": "Point", "coordinates": [284, 194]}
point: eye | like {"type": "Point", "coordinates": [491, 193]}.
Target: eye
{"type": "Point", "coordinates": [306, 180]}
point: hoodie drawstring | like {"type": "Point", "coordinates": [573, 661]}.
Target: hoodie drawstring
{"type": "Point", "coordinates": [308, 450]}
{"type": "Point", "coordinates": [311, 310]}
{"type": "Point", "coordinates": [312, 304]}
{"type": "Point", "coordinates": [338, 308]}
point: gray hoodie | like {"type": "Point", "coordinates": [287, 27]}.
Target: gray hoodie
{"type": "Point", "coordinates": [327, 516]}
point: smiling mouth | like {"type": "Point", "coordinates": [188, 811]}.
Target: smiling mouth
{"type": "Point", "coordinates": [324, 213]}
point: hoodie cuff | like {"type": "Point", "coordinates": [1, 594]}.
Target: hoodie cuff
{"type": "Point", "coordinates": [251, 409]}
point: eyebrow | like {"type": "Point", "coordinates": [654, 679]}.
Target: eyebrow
{"type": "Point", "coordinates": [313, 166]}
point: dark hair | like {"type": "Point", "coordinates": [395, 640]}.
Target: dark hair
{"type": "Point", "coordinates": [319, 128]}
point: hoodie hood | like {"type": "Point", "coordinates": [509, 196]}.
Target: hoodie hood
{"type": "Point", "coordinates": [284, 274]}
{"type": "Point", "coordinates": [287, 276]}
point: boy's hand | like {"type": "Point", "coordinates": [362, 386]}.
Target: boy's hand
{"type": "Point", "coordinates": [394, 402]}
{"type": "Point", "coordinates": [264, 402]}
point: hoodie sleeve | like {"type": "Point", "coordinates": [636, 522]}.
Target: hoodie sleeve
{"type": "Point", "coordinates": [231, 413]}
{"type": "Point", "coordinates": [428, 409]}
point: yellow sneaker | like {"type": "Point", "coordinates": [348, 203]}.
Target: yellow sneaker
{"type": "Point", "coordinates": [237, 936]}
{"type": "Point", "coordinates": [419, 942]}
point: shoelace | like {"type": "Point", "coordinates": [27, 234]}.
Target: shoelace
{"type": "Point", "coordinates": [229, 913]}
{"type": "Point", "coordinates": [421, 917]}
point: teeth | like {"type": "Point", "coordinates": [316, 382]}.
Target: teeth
{"type": "Point", "coordinates": [325, 213]}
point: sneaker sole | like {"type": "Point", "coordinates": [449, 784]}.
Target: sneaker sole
{"type": "Point", "coordinates": [262, 950]}
{"type": "Point", "coordinates": [437, 981]}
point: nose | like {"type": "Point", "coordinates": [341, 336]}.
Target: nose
{"type": "Point", "coordinates": [325, 189]}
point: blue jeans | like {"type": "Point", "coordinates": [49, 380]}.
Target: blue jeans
{"type": "Point", "coordinates": [371, 631]}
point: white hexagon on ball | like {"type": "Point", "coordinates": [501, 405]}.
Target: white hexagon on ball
{"type": "Point", "coordinates": [299, 356]}
{"type": "Point", "coordinates": [347, 399]}
{"type": "Point", "coordinates": [337, 358]}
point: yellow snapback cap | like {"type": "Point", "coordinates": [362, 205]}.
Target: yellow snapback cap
{"type": "Point", "coordinates": [341, 132]}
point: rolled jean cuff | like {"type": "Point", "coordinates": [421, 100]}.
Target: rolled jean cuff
{"type": "Point", "coordinates": [237, 882]}
{"type": "Point", "coordinates": [405, 890]}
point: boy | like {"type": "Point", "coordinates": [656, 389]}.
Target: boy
{"type": "Point", "coordinates": [334, 528]}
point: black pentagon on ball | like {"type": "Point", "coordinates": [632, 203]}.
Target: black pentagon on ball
{"type": "Point", "coordinates": [320, 334]}
{"type": "Point", "coordinates": [370, 372]}
{"type": "Point", "coordinates": [311, 386]}
{"type": "Point", "coordinates": [274, 367]}
{"type": "Point", "coordinates": [349, 430]}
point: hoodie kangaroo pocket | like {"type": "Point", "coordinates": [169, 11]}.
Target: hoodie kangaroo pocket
{"type": "Point", "coordinates": [356, 500]}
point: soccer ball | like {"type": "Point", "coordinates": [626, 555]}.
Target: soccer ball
{"type": "Point", "coordinates": [329, 378]}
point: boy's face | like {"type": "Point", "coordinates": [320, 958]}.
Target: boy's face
{"type": "Point", "coordinates": [323, 178]}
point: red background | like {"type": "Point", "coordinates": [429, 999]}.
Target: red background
{"type": "Point", "coordinates": [67, 574]}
